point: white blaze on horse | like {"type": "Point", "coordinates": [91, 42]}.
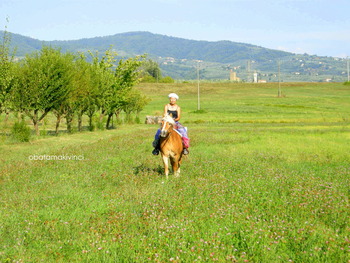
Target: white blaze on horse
{"type": "Point", "coordinates": [171, 146]}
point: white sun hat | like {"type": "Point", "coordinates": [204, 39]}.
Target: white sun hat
{"type": "Point", "coordinates": [173, 95]}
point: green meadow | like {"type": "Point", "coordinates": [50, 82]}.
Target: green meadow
{"type": "Point", "coordinates": [266, 180]}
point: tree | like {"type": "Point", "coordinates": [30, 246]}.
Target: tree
{"type": "Point", "coordinates": [66, 109]}
{"type": "Point", "coordinates": [151, 71]}
{"type": "Point", "coordinates": [127, 74]}
{"type": "Point", "coordinates": [104, 80]}
{"type": "Point", "coordinates": [44, 83]}
{"type": "Point", "coordinates": [7, 73]}
{"type": "Point", "coordinates": [134, 102]}
{"type": "Point", "coordinates": [84, 92]}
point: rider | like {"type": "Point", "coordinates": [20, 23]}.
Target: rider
{"type": "Point", "coordinates": [175, 111]}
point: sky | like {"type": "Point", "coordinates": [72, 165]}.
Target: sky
{"type": "Point", "coordinates": [315, 27]}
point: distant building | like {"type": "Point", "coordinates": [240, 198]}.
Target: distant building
{"type": "Point", "coordinates": [233, 76]}
{"type": "Point", "coordinates": [255, 76]}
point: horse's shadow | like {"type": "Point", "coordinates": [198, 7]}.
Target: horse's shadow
{"type": "Point", "coordinates": [143, 169]}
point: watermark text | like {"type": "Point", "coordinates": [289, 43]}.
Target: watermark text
{"type": "Point", "coordinates": [62, 157]}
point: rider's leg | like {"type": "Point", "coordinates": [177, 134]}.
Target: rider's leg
{"type": "Point", "coordinates": [156, 143]}
{"type": "Point", "coordinates": [186, 144]}
{"type": "Point", "coordinates": [182, 130]}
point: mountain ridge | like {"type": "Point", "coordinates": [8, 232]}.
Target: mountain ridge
{"type": "Point", "coordinates": [178, 57]}
{"type": "Point", "coordinates": [140, 42]}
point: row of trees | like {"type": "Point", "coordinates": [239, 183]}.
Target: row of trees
{"type": "Point", "coordinates": [69, 85]}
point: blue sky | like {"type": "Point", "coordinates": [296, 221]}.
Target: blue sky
{"type": "Point", "coordinates": [316, 27]}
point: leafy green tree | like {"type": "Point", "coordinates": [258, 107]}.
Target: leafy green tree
{"type": "Point", "coordinates": [134, 102]}
{"type": "Point", "coordinates": [151, 71]}
{"type": "Point", "coordinates": [66, 109]}
{"type": "Point", "coordinates": [101, 79]}
{"type": "Point", "coordinates": [84, 92]}
{"type": "Point", "coordinates": [106, 80]}
{"type": "Point", "coordinates": [44, 83]}
{"type": "Point", "coordinates": [127, 74]}
{"type": "Point", "coordinates": [7, 73]}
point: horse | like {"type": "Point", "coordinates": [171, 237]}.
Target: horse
{"type": "Point", "coordinates": [171, 146]}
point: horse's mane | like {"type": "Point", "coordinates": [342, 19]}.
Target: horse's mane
{"type": "Point", "coordinates": [169, 119]}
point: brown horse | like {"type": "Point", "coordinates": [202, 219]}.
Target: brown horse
{"type": "Point", "coordinates": [170, 146]}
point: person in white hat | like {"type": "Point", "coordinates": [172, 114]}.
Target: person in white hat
{"type": "Point", "coordinates": [175, 111]}
{"type": "Point", "coordinates": [172, 108]}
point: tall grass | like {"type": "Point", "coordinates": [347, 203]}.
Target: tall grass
{"type": "Point", "coordinates": [254, 103]}
{"type": "Point", "coordinates": [253, 189]}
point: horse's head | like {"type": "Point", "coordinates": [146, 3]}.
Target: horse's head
{"type": "Point", "coordinates": [167, 125]}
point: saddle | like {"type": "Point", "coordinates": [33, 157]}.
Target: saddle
{"type": "Point", "coordinates": [178, 132]}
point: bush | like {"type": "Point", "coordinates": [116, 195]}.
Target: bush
{"type": "Point", "coordinates": [167, 80]}
{"type": "Point", "coordinates": [347, 83]}
{"type": "Point", "coordinates": [100, 125]}
{"type": "Point", "coordinates": [128, 119]}
{"type": "Point", "coordinates": [148, 79]}
{"type": "Point", "coordinates": [21, 132]}
{"type": "Point", "coordinates": [199, 111]}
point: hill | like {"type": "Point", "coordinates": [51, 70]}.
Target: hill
{"type": "Point", "coordinates": [178, 57]}
{"type": "Point", "coordinates": [133, 43]}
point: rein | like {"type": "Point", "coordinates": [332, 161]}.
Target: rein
{"type": "Point", "coordinates": [172, 124]}
{"type": "Point", "coordinates": [169, 132]}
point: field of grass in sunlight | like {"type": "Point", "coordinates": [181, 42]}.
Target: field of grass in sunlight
{"type": "Point", "coordinates": [266, 180]}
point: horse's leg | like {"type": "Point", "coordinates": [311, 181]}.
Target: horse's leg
{"type": "Point", "coordinates": [166, 165]}
{"type": "Point", "coordinates": [176, 166]}
{"type": "Point", "coordinates": [178, 172]}
{"type": "Point", "coordinates": [179, 163]}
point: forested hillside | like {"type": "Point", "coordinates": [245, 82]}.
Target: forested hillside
{"type": "Point", "coordinates": [179, 57]}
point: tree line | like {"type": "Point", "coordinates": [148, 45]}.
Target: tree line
{"type": "Point", "coordinates": [69, 86]}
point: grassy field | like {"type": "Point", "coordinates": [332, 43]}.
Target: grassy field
{"type": "Point", "coordinates": [267, 180]}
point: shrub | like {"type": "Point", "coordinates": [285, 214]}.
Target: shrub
{"type": "Point", "coordinates": [167, 80]}
{"type": "Point", "coordinates": [148, 79]}
{"type": "Point", "coordinates": [347, 83]}
{"type": "Point", "coordinates": [100, 125]}
{"type": "Point", "coordinates": [199, 111]}
{"type": "Point", "coordinates": [21, 132]}
{"type": "Point", "coordinates": [128, 119]}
